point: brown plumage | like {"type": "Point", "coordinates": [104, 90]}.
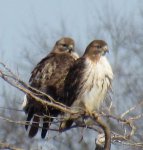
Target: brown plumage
{"type": "Point", "coordinates": [49, 76]}
{"type": "Point", "coordinates": [88, 80]}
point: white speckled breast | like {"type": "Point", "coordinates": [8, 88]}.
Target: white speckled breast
{"type": "Point", "coordinates": [95, 84]}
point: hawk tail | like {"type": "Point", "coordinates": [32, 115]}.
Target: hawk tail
{"type": "Point", "coordinates": [34, 127]}
{"type": "Point", "coordinates": [46, 123]}
{"type": "Point", "coordinates": [67, 124]}
{"type": "Point", "coordinates": [29, 117]}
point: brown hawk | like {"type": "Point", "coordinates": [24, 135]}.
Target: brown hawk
{"type": "Point", "coordinates": [48, 77]}
{"type": "Point", "coordinates": [88, 80]}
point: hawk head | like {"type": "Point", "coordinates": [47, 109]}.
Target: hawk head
{"type": "Point", "coordinates": [96, 49]}
{"type": "Point", "coordinates": [63, 45]}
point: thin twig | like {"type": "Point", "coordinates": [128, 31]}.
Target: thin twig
{"type": "Point", "coordinates": [36, 95]}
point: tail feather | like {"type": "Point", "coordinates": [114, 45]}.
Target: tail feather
{"type": "Point", "coordinates": [67, 124]}
{"type": "Point", "coordinates": [29, 117]}
{"type": "Point", "coordinates": [46, 123]}
{"type": "Point", "coordinates": [36, 121]}
{"type": "Point", "coordinates": [34, 127]}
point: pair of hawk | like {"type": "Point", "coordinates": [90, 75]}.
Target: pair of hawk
{"type": "Point", "coordinates": [77, 82]}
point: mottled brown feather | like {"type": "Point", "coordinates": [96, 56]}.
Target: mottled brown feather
{"type": "Point", "coordinates": [49, 76]}
{"type": "Point", "coordinates": [73, 80]}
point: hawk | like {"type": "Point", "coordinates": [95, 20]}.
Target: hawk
{"type": "Point", "coordinates": [48, 77]}
{"type": "Point", "coordinates": [88, 80]}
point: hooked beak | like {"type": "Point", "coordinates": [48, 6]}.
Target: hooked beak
{"type": "Point", "coordinates": [70, 48]}
{"type": "Point", "coordinates": [105, 48]}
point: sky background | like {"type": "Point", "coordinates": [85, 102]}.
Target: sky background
{"type": "Point", "coordinates": [19, 17]}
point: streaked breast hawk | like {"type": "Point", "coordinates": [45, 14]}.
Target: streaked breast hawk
{"type": "Point", "coordinates": [49, 76]}
{"type": "Point", "coordinates": [88, 80]}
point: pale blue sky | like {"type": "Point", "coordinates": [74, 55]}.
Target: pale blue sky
{"type": "Point", "coordinates": [19, 16]}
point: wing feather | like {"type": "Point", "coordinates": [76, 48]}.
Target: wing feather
{"type": "Point", "coordinates": [72, 87]}
{"type": "Point", "coordinates": [49, 77]}
{"type": "Point", "coordinates": [72, 83]}
{"type": "Point", "coordinates": [34, 127]}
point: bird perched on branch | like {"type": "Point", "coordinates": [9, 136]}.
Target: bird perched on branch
{"type": "Point", "coordinates": [88, 80]}
{"type": "Point", "coordinates": [48, 77]}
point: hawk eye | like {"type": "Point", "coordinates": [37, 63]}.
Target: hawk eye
{"type": "Point", "coordinates": [98, 46]}
{"type": "Point", "coordinates": [64, 45]}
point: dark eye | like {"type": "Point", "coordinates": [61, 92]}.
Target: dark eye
{"type": "Point", "coordinates": [64, 45]}
{"type": "Point", "coordinates": [98, 46]}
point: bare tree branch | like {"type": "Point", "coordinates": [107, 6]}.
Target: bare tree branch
{"type": "Point", "coordinates": [106, 130]}
{"type": "Point", "coordinates": [109, 136]}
